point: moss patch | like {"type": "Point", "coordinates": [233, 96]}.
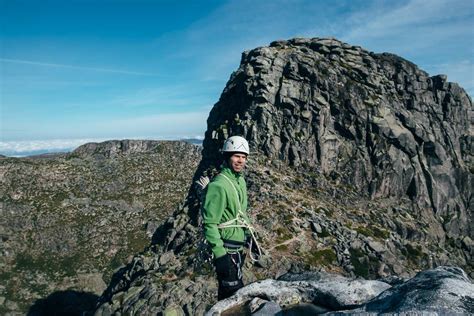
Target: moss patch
{"type": "Point", "coordinates": [364, 266]}
{"type": "Point", "coordinates": [415, 255]}
{"type": "Point", "coordinates": [282, 247]}
{"type": "Point", "coordinates": [373, 231]}
{"type": "Point", "coordinates": [325, 257]}
{"type": "Point", "coordinates": [324, 233]}
{"type": "Point", "coordinates": [283, 235]}
{"type": "Point", "coordinates": [48, 263]}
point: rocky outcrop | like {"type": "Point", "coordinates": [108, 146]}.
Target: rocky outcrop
{"type": "Point", "coordinates": [441, 291]}
{"type": "Point", "coordinates": [360, 164]}
{"type": "Point", "coordinates": [375, 121]}
{"type": "Point", "coordinates": [68, 221]}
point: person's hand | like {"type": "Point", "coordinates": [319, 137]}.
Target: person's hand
{"type": "Point", "coordinates": [203, 182]}
{"type": "Point", "coordinates": [223, 266]}
{"type": "Point", "coordinates": [248, 240]}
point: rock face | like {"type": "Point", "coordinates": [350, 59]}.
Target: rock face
{"type": "Point", "coordinates": [361, 164]}
{"type": "Point", "coordinates": [441, 291]}
{"type": "Point", "coordinates": [68, 221]}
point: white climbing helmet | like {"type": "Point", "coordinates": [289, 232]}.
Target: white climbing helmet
{"type": "Point", "coordinates": [236, 144]}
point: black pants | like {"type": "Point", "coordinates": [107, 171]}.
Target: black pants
{"type": "Point", "coordinates": [230, 283]}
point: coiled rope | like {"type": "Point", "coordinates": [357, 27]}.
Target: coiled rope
{"type": "Point", "coordinates": [239, 221]}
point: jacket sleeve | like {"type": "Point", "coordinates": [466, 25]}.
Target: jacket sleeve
{"type": "Point", "coordinates": [214, 206]}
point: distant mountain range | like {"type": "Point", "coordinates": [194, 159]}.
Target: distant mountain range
{"type": "Point", "coordinates": [68, 220]}
{"type": "Point", "coordinates": [12, 153]}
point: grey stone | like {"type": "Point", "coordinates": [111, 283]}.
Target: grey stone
{"type": "Point", "coordinates": [166, 258]}
{"type": "Point", "coordinates": [256, 303]}
{"type": "Point", "coordinates": [440, 291]}
{"type": "Point", "coordinates": [376, 246]}
{"type": "Point", "coordinates": [10, 305]}
{"type": "Point", "coordinates": [264, 261]}
{"type": "Point", "coordinates": [173, 311]}
{"type": "Point", "coordinates": [316, 227]}
{"type": "Point", "coordinates": [356, 244]}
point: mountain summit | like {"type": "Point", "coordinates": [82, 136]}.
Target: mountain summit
{"type": "Point", "coordinates": [361, 164]}
{"type": "Point", "coordinates": [375, 121]}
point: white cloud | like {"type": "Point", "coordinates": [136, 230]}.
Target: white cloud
{"type": "Point", "coordinates": [164, 124]}
{"type": "Point", "coordinates": [379, 22]}
{"type": "Point", "coordinates": [414, 25]}
{"type": "Point", "coordinates": [52, 145]}
{"type": "Point", "coordinates": [418, 30]}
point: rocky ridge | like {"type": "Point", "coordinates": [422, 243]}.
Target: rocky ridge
{"type": "Point", "coordinates": [67, 221]}
{"type": "Point", "coordinates": [361, 164]}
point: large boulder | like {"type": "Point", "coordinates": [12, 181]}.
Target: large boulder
{"type": "Point", "coordinates": [440, 291]}
{"type": "Point", "coordinates": [332, 291]}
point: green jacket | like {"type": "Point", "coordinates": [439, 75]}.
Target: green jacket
{"type": "Point", "coordinates": [220, 206]}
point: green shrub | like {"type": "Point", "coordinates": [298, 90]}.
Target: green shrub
{"type": "Point", "coordinates": [364, 266]}
{"type": "Point", "coordinates": [373, 231]}
{"type": "Point", "coordinates": [282, 247]}
{"type": "Point", "coordinates": [324, 257]}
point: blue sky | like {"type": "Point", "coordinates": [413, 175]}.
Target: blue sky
{"type": "Point", "coordinates": [77, 71]}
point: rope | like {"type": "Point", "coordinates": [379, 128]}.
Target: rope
{"type": "Point", "coordinates": [240, 221]}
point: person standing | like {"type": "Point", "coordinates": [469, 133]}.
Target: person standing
{"type": "Point", "coordinates": [225, 219]}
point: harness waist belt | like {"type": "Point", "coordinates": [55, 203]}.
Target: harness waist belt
{"type": "Point", "coordinates": [233, 244]}
{"type": "Point", "coordinates": [230, 283]}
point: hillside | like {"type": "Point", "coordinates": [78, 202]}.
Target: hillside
{"type": "Point", "coordinates": [361, 164]}
{"type": "Point", "coordinates": [69, 220]}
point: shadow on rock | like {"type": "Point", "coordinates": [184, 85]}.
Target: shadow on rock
{"type": "Point", "coordinates": [68, 302]}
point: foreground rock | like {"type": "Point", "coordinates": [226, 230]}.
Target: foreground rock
{"type": "Point", "coordinates": [331, 291]}
{"type": "Point", "coordinates": [441, 291]}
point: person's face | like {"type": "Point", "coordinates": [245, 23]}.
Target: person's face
{"type": "Point", "coordinates": [237, 162]}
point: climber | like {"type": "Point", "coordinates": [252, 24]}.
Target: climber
{"type": "Point", "coordinates": [226, 223]}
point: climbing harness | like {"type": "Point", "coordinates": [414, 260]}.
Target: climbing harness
{"type": "Point", "coordinates": [239, 221]}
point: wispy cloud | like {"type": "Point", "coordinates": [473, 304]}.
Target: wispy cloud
{"type": "Point", "coordinates": [413, 28]}
{"type": "Point", "coordinates": [411, 25]}
{"type": "Point", "coordinates": [24, 147]}
{"type": "Point", "coordinates": [159, 124]}
{"type": "Point", "coordinates": [43, 64]}
{"type": "Point", "coordinates": [437, 35]}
